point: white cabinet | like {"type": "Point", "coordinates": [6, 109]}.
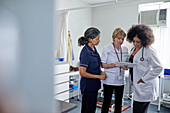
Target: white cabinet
{"type": "Point", "coordinates": [58, 78]}
{"type": "Point", "coordinates": [61, 81]}
{"type": "Point", "coordinates": [61, 67]}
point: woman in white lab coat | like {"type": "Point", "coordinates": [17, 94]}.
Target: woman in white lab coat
{"type": "Point", "coordinates": [113, 53]}
{"type": "Point", "coordinates": [144, 75]}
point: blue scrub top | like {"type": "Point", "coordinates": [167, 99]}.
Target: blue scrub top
{"type": "Point", "coordinates": [91, 60]}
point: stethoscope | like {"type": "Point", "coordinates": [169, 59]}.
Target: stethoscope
{"type": "Point", "coordinates": [142, 58]}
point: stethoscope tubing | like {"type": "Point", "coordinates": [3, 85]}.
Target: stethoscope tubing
{"type": "Point", "coordinates": [142, 58]}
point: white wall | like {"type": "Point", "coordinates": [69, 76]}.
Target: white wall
{"type": "Point", "coordinates": [110, 17]}
{"type": "Point", "coordinates": [107, 18]}
{"type": "Point", "coordinates": [78, 22]}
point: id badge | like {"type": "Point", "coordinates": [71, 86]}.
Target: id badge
{"type": "Point", "coordinates": [120, 77]}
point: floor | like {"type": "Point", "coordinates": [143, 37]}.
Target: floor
{"type": "Point", "coordinates": [152, 108]}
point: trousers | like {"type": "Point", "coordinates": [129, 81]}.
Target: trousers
{"type": "Point", "coordinates": [140, 107]}
{"type": "Point", "coordinates": [89, 100]}
{"type": "Point", "coordinates": [108, 91]}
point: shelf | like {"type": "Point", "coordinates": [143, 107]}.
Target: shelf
{"type": "Point", "coordinates": [73, 73]}
{"type": "Point", "coordinates": [74, 93]}
{"type": "Point", "coordinates": [74, 80]}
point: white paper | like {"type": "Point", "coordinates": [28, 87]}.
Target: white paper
{"type": "Point", "coordinates": [126, 63]}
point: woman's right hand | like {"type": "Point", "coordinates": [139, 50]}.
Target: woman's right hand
{"type": "Point", "coordinates": [125, 67]}
{"type": "Point", "coordinates": [103, 76]}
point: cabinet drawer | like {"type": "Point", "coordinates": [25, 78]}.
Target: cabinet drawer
{"type": "Point", "coordinates": [61, 68]}
{"type": "Point", "coordinates": [61, 87]}
{"type": "Point", "coordinates": [63, 96]}
{"type": "Point", "coordinates": [61, 78]}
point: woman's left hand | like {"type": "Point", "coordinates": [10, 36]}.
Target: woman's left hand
{"type": "Point", "coordinates": [103, 76]}
{"type": "Point", "coordinates": [140, 81]}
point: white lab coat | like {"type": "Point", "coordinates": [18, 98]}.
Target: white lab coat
{"type": "Point", "coordinates": [109, 56]}
{"type": "Point", "coordinates": [147, 70]}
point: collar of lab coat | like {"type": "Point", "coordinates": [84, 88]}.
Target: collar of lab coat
{"type": "Point", "coordinates": [133, 48]}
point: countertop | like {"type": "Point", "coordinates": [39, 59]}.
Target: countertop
{"type": "Point", "coordinates": [65, 106]}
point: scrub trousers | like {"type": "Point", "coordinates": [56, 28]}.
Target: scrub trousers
{"type": "Point", "coordinates": [108, 91]}
{"type": "Point", "coordinates": [89, 101]}
{"type": "Point", "coordinates": [140, 107]}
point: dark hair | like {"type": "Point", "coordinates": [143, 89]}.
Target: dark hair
{"type": "Point", "coordinates": [89, 33]}
{"type": "Point", "coordinates": [142, 32]}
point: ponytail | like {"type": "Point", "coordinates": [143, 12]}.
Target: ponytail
{"type": "Point", "coordinates": [89, 33]}
{"type": "Point", "coordinates": [82, 41]}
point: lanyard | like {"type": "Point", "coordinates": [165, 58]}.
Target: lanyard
{"type": "Point", "coordinates": [118, 56]}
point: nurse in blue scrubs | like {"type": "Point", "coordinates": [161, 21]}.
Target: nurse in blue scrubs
{"type": "Point", "coordinates": [90, 70]}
